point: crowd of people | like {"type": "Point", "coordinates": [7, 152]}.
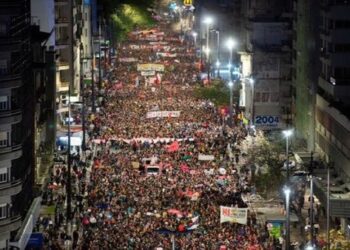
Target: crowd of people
{"type": "Point", "coordinates": [157, 181]}
{"type": "Point", "coordinates": [149, 186]}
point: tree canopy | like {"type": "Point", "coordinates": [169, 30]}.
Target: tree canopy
{"type": "Point", "coordinates": [126, 15]}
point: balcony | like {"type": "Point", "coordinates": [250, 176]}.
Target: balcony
{"type": "Point", "coordinates": [10, 81]}
{"type": "Point", "coordinates": [62, 43]}
{"type": "Point", "coordinates": [10, 224]}
{"type": "Point", "coordinates": [63, 86]}
{"type": "Point", "coordinates": [11, 116]}
{"type": "Point", "coordinates": [62, 22]}
{"type": "Point", "coordinates": [11, 153]}
{"type": "Point", "coordinates": [11, 188]}
{"type": "Point", "coordinates": [61, 65]}
{"type": "Point", "coordinates": [61, 2]}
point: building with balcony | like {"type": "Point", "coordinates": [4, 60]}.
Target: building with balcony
{"type": "Point", "coordinates": [321, 66]}
{"type": "Point", "coordinates": [16, 118]}
{"type": "Point", "coordinates": [44, 73]}
{"type": "Point", "coordinates": [68, 30]}
{"type": "Point", "coordinates": [266, 57]}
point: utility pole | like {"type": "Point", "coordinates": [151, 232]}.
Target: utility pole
{"type": "Point", "coordinates": [99, 55]}
{"type": "Point", "coordinates": [82, 93]}
{"type": "Point", "coordinates": [312, 200]}
{"type": "Point", "coordinates": [69, 184]}
{"type": "Point", "coordinates": [93, 108]}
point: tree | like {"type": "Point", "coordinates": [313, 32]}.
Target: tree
{"type": "Point", "coordinates": [217, 92]}
{"type": "Point", "coordinates": [266, 156]}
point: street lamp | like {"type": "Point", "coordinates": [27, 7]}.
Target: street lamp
{"type": "Point", "coordinates": [230, 121]}
{"type": "Point", "coordinates": [252, 82]}
{"type": "Point", "coordinates": [287, 192]}
{"type": "Point", "coordinates": [287, 134]}
{"type": "Point", "coordinates": [194, 34]}
{"type": "Point", "coordinates": [230, 45]}
{"type": "Point", "coordinates": [217, 31]}
{"type": "Point", "coordinates": [208, 21]}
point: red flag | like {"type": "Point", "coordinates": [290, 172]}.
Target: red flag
{"type": "Point", "coordinates": [173, 147]}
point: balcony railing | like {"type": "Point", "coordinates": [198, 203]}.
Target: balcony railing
{"type": "Point", "coordinates": [11, 187]}
{"type": "Point", "coordinates": [10, 224]}
{"type": "Point", "coordinates": [4, 114]}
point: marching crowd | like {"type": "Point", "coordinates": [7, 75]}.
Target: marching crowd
{"type": "Point", "coordinates": [158, 182]}
{"type": "Point", "coordinates": [149, 187]}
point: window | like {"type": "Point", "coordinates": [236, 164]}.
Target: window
{"type": "Point", "coordinates": [265, 97]}
{"type": "Point", "coordinates": [3, 211]}
{"type": "Point", "coordinates": [3, 67]}
{"type": "Point", "coordinates": [4, 101]}
{"type": "Point", "coordinates": [275, 97]}
{"type": "Point", "coordinates": [3, 29]}
{"type": "Point", "coordinates": [3, 175]}
{"type": "Point", "coordinates": [4, 139]}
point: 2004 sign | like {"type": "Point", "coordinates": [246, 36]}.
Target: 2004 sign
{"type": "Point", "coordinates": [266, 120]}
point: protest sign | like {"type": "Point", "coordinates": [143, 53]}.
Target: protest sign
{"type": "Point", "coordinates": [150, 67]}
{"type": "Point", "coordinates": [202, 157]}
{"type": "Point", "coordinates": [234, 215]}
{"type": "Point", "coordinates": [162, 114]}
{"type": "Point", "coordinates": [148, 73]}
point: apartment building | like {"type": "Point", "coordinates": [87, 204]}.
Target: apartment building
{"type": "Point", "coordinates": [17, 108]}
{"type": "Point", "coordinates": [321, 60]}
{"type": "Point", "coordinates": [68, 31]}
{"type": "Point", "coordinates": [266, 58]}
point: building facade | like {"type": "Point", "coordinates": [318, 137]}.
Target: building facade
{"type": "Point", "coordinates": [266, 57]}
{"type": "Point", "coordinates": [16, 118]}
{"type": "Point", "coordinates": [321, 60]}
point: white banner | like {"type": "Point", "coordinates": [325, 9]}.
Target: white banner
{"type": "Point", "coordinates": [128, 59]}
{"type": "Point", "coordinates": [234, 215]}
{"type": "Point", "coordinates": [202, 157]}
{"type": "Point", "coordinates": [158, 43]}
{"type": "Point", "coordinates": [148, 73]}
{"type": "Point", "coordinates": [162, 114]}
{"type": "Point", "coordinates": [150, 67]}
{"type": "Point", "coordinates": [166, 54]}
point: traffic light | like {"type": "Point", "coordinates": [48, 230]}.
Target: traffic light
{"type": "Point", "coordinates": [188, 2]}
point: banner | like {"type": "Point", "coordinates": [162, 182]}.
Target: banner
{"type": "Point", "coordinates": [202, 157]}
{"type": "Point", "coordinates": [158, 43]}
{"type": "Point", "coordinates": [150, 67]}
{"type": "Point", "coordinates": [128, 59]}
{"type": "Point", "coordinates": [162, 114]}
{"type": "Point", "coordinates": [234, 215]}
{"type": "Point", "coordinates": [166, 54]}
{"type": "Point", "coordinates": [148, 73]}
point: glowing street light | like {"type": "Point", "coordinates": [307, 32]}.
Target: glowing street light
{"type": "Point", "coordinates": [217, 64]}
{"type": "Point", "coordinates": [230, 45]}
{"type": "Point", "coordinates": [287, 192]}
{"type": "Point", "coordinates": [287, 134]}
{"type": "Point", "coordinates": [208, 21]}
{"type": "Point", "coordinates": [194, 34]}
{"type": "Point", "coordinates": [230, 121]}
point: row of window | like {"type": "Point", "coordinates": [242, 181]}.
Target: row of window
{"type": "Point", "coordinates": [266, 97]}
{"type": "Point", "coordinates": [332, 139]}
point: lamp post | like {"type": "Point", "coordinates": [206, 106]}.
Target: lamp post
{"type": "Point", "coordinates": [217, 31]}
{"type": "Point", "coordinates": [287, 134]}
{"type": "Point", "coordinates": [208, 21]}
{"type": "Point", "coordinates": [194, 34]}
{"type": "Point", "coordinates": [82, 93]}
{"type": "Point", "coordinates": [287, 194]}
{"type": "Point", "coordinates": [252, 82]}
{"type": "Point", "coordinates": [230, 45]}
{"type": "Point", "coordinates": [230, 121]}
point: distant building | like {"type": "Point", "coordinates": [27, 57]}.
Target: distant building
{"type": "Point", "coordinates": [266, 58]}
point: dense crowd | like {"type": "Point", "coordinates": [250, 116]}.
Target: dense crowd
{"type": "Point", "coordinates": [148, 187]}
